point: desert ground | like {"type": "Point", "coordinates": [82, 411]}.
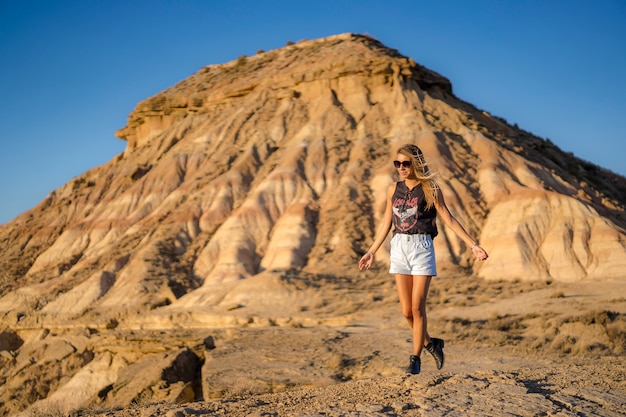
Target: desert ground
{"type": "Point", "coordinates": [512, 349]}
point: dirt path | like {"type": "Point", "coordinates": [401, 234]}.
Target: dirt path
{"type": "Point", "coordinates": [544, 388]}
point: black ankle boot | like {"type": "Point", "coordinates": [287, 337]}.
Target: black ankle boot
{"type": "Point", "coordinates": [415, 365]}
{"type": "Point", "coordinates": [435, 347]}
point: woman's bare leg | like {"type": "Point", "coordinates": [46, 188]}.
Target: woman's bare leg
{"type": "Point", "coordinates": [418, 303]}
{"type": "Point", "coordinates": [412, 292]}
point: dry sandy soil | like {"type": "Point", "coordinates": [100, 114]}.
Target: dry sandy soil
{"type": "Point", "coordinates": [513, 349]}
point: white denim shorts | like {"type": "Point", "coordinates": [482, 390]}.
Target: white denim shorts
{"type": "Point", "coordinates": [412, 255]}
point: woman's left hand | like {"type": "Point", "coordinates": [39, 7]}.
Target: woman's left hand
{"type": "Point", "coordinates": [480, 253]}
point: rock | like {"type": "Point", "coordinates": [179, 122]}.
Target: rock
{"type": "Point", "coordinates": [10, 341]}
{"type": "Point", "coordinates": [156, 377]}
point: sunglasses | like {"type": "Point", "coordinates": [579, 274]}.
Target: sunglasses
{"type": "Point", "coordinates": [406, 164]}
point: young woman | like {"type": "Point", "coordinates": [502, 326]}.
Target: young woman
{"type": "Point", "coordinates": [413, 205]}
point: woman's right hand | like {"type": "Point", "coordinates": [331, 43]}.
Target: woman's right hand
{"type": "Point", "coordinates": [479, 252]}
{"type": "Point", "coordinates": [366, 261]}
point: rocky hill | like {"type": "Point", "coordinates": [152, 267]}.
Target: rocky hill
{"type": "Point", "coordinates": [244, 198]}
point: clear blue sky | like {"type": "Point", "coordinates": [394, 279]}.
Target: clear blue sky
{"type": "Point", "coordinates": [72, 71]}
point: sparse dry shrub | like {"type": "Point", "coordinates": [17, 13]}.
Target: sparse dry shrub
{"type": "Point", "coordinates": [549, 327]}
{"type": "Point", "coordinates": [617, 336]}
{"type": "Point", "coordinates": [594, 332]}
{"type": "Point", "coordinates": [564, 344]}
{"type": "Point", "coordinates": [241, 61]}
{"type": "Point", "coordinates": [594, 347]}
{"type": "Point", "coordinates": [461, 321]}
{"type": "Point", "coordinates": [334, 362]}
{"type": "Point", "coordinates": [242, 388]}
{"type": "Point", "coordinates": [444, 299]}
{"type": "Point", "coordinates": [341, 364]}
{"type": "Point", "coordinates": [459, 328]}
{"type": "Point", "coordinates": [92, 409]}
{"type": "Point", "coordinates": [47, 410]}
{"type": "Point", "coordinates": [599, 317]}
{"type": "Point", "coordinates": [338, 362]}
{"type": "Point", "coordinates": [505, 323]}
{"type": "Point", "coordinates": [540, 342]}
{"type": "Point", "coordinates": [369, 36]}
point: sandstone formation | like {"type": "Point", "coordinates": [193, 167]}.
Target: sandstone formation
{"type": "Point", "coordinates": [246, 193]}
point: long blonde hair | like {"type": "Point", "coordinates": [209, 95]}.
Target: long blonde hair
{"type": "Point", "coordinates": [422, 172]}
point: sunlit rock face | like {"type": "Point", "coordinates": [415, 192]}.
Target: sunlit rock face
{"type": "Point", "coordinates": [277, 163]}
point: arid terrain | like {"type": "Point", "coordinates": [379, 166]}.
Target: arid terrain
{"type": "Point", "coordinates": [211, 268]}
{"type": "Point", "coordinates": [513, 348]}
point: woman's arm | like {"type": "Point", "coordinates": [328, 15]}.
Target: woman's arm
{"type": "Point", "coordinates": [366, 261]}
{"type": "Point", "coordinates": [453, 223]}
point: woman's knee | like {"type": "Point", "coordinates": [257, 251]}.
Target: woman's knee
{"type": "Point", "coordinates": [407, 313]}
{"type": "Point", "coordinates": [418, 311]}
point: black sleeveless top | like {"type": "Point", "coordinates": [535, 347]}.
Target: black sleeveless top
{"type": "Point", "coordinates": [410, 215]}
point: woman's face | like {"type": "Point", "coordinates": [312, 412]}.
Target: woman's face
{"type": "Point", "coordinates": [404, 167]}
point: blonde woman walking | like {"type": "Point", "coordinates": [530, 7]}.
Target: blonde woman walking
{"type": "Point", "coordinates": [413, 204]}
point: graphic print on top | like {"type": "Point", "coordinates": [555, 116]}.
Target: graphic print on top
{"type": "Point", "coordinates": [405, 213]}
{"type": "Point", "coordinates": [409, 212]}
